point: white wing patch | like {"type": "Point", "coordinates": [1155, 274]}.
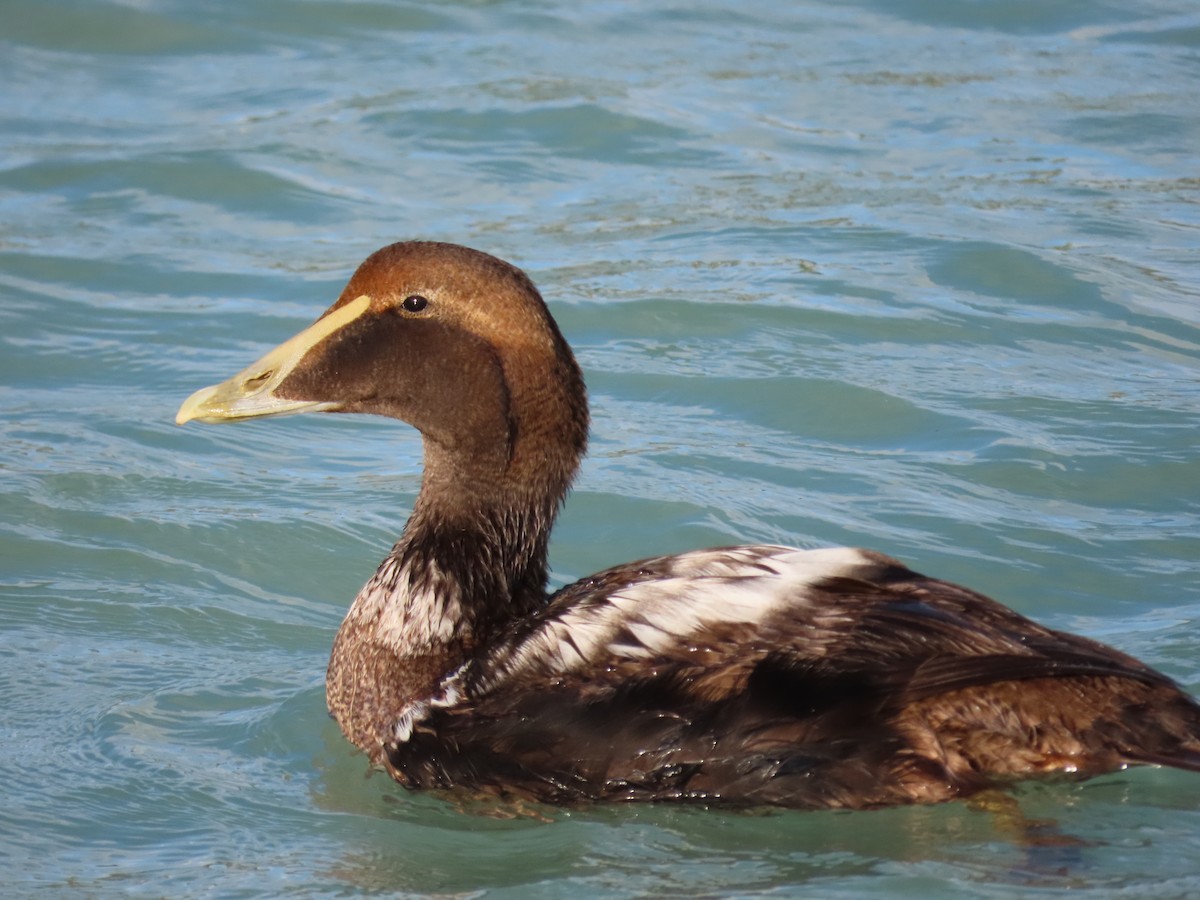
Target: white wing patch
{"type": "Point", "coordinates": [448, 694]}
{"type": "Point", "coordinates": [698, 590]}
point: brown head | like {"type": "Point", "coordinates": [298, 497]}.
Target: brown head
{"type": "Point", "coordinates": [453, 341]}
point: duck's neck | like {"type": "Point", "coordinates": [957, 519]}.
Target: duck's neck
{"type": "Point", "coordinates": [472, 559]}
{"type": "Point", "coordinates": [469, 568]}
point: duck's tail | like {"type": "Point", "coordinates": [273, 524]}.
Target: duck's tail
{"type": "Point", "coordinates": [1165, 732]}
{"type": "Point", "coordinates": [1187, 759]}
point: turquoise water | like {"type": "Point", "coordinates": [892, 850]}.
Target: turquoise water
{"type": "Point", "coordinates": [920, 276]}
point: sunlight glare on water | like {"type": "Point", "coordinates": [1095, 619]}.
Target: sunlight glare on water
{"type": "Point", "coordinates": [910, 275]}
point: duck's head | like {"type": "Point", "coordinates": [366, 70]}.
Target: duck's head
{"type": "Point", "coordinates": [453, 341]}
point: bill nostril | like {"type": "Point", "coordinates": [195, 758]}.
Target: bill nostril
{"type": "Point", "coordinates": [257, 381]}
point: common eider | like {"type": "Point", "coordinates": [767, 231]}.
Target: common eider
{"type": "Point", "coordinates": [751, 675]}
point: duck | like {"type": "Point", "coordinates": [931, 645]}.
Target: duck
{"type": "Point", "coordinates": [754, 675]}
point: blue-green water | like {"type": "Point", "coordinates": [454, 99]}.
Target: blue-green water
{"type": "Point", "coordinates": [921, 276]}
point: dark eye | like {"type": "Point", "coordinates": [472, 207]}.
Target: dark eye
{"type": "Point", "coordinates": [415, 303]}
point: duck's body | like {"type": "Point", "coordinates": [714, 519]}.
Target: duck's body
{"type": "Point", "coordinates": [747, 675]}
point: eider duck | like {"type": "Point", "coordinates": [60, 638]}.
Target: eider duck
{"type": "Point", "coordinates": [751, 675]}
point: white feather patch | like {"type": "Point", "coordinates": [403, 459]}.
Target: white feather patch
{"type": "Point", "coordinates": [406, 611]}
{"type": "Point", "coordinates": [448, 694]}
{"type": "Point", "coordinates": [699, 590]}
